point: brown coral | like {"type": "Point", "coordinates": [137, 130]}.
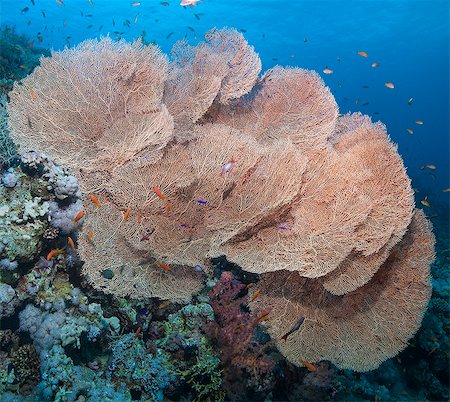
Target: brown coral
{"type": "Point", "coordinates": [360, 329]}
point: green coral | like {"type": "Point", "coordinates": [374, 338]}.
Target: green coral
{"type": "Point", "coordinates": [202, 372]}
{"type": "Point", "coordinates": [7, 147]}
{"type": "Point", "coordinates": [23, 218]}
{"type": "Point", "coordinates": [205, 376]}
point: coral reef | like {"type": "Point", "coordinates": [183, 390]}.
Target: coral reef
{"type": "Point", "coordinates": [7, 147]}
{"type": "Point", "coordinates": [27, 191]}
{"type": "Point", "coordinates": [210, 160]}
{"type": "Point", "coordinates": [132, 365]}
{"type": "Point", "coordinates": [247, 366]}
{"type": "Point", "coordinates": [18, 57]}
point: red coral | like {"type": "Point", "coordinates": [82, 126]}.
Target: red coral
{"type": "Point", "coordinates": [246, 365]}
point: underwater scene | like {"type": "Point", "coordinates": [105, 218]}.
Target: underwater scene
{"type": "Point", "coordinates": [211, 200]}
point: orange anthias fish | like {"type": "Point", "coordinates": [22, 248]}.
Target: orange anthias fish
{"type": "Point", "coordinates": [32, 93]}
{"type": "Point", "coordinates": [139, 218]}
{"type": "Point", "coordinates": [263, 317]}
{"type": "Point", "coordinates": [389, 85]}
{"type": "Point", "coordinates": [375, 64]}
{"type": "Point", "coordinates": [446, 190]}
{"type": "Point", "coordinates": [71, 243]}
{"type": "Point", "coordinates": [409, 130]}
{"type": "Point", "coordinates": [60, 2]}
{"type": "Point", "coordinates": [159, 193]}
{"type": "Point", "coordinates": [165, 267]}
{"type": "Point", "coordinates": [328, 71]}
{"type": "Point", "coordinates": [138, 332]}
{"type": "Point", "coordinates": [78, 216]}
{"type": "Point", "coordinates": [126, 214]}
{"type": "Point", "coordinates": [91, 234]}
{"type": "Point", "coordinates": [309, 366]}
{"type": "Point", "coordinates": [363, 54]}
{"type": "Point", "coordinates": [255, 295]}
{"type": "Point", "coordinates": [136, 3]}
{"type": "Point", "coordinates": [420, 122]}
{"type": "Point", "coordinates": [52, 253]}
{"type": "Point", "coordinates": [95, 200]}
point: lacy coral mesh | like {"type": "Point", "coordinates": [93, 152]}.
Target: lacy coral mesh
{"type": "Point", "coordinates": [118, 261]}
{"type": "Point", "coordinates": [94, 103]}
{"type": "Point", "coordinates": [363, 328]}
{"type": "Point", "coordinates": [211, 160]}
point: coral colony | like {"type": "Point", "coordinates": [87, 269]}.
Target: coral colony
{"type": "Point", "coordinates": [191, 229]}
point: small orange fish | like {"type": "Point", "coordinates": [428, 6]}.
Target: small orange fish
{"type": "Point", "coordinates": [446, 190]}
{"type": "Point", "coordinates": [375, 64]}
{"type": "Point", "coordinates": [95, 200]}
{"type": "Point", "coordinates": [71, 242]}
{"type": "Point", "coordinates": [136, 4]}
{"type": "Point", "coordinates": [91, 234]}
{"type": "Point", "coordinates": [363, 54]}
{"type": "Point", "coordinates": [139, 218]}
{"type": "Point", "coordinates": [136, 18]}
{"type": "Point", "coordinates": [263, 317]}
{"type": "Point", "coordinates": [409, 130]}
{"type": "Point", "coordinates": [164, 305]}
{"type": "Point", "coordinates": [52, 253]}
{"type": "Point", "coordinates": [23, 66]}
{"type": "Point", "coordinates": [168, 206]}
{"type": "Point", "coordinates": [138, 332]}
{"type": "Point", "coordinates": [309, 366]}
{"type": "Point", "coordinates": [419, 122]}
{"type": "Point", "coordinates": [165, 267]}
{"type": "Point", "coordinates": [425, 202]}
{"type": "Point", "coordinates": [159, 193]}
{"type": "Point", "coordinates": [328, 71]}
{"type": "Point", "coordinates": [389, 85]}
{"type": "Point", "coordinates": [60, 2]}
{"type": "Point", "coordinates": [255, 295]}
{"type": "Point", "coordinates": [78, 216]}
{"type": "Point", "coordinates": [31, 44]}
{"type": "Point", "coordinates": [126, 214]}
{"type": "Point", "coordinates": [33, 94]}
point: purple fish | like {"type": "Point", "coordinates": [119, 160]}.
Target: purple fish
{"type": "Point", "coordinates": [283, 227]}
{"type": "Point", "coordinates": [201, 202]}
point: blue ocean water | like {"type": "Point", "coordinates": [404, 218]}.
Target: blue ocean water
{"type": "Point", "coordinates": [408, 38]}
{"type": "Point", "coordinates": [409, 41]}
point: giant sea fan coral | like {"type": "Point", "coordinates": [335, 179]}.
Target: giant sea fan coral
{"type": "Point", "coordinates": [321, 197]}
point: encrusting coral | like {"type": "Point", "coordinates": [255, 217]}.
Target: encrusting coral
{"type": "Point", "coordinates": [198, 157]}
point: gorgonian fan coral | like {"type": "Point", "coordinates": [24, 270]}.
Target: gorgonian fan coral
{"type": "Point", "coordinates": [197, 157]}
